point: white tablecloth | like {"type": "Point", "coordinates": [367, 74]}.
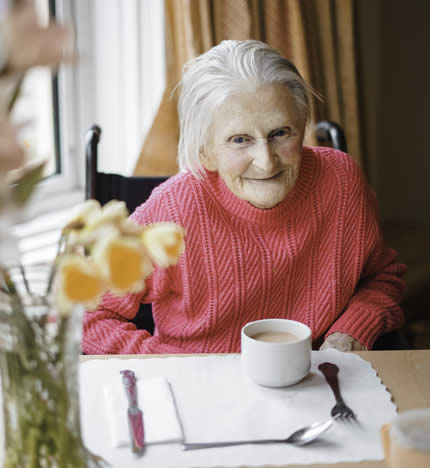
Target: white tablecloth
{"type": "Point", "coordinates": [215, 401]}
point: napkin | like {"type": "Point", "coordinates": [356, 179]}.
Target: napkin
{"type": "Point", "coordinates": [156, 401]}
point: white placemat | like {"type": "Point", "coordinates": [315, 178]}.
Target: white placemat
{"type": "Point", "coordinates": [215, 401]}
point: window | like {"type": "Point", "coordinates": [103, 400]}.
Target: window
{"type": "Point", "coordinates": [117, 84]}
{"type": "Point", "coordinates": [37, 107]}
{"type": "Point", "coordinates": [45, 107]}
{"type": "Point", "coordinates": [121, 76]}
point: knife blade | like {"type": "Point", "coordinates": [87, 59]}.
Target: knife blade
{"type": "Point", "coordinates": [134, 413]}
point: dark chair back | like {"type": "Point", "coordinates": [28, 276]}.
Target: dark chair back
{"type": "Point", "coordinates": [329, 133]}
{"type": "Point", "coordinates": [132, 190]}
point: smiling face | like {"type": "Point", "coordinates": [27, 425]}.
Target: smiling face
{"type": "Point", "coordinates": [255, 144]}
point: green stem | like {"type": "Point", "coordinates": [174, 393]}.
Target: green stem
{"type": "Point", "coordinates": [15, 94]}
{"type": "Point", "coordinates": [54, 265]}
{"type": "Point", "coordinates": [40, 391]}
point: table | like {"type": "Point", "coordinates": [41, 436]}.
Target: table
{"type": "Point", "coordinates": [406, 374]}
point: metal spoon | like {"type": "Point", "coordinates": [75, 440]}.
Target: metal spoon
{"type": "Point", "coordinates": [301, 437]}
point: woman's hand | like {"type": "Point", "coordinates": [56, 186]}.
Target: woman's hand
{"type": "Point", "coordinates": [342, 342]}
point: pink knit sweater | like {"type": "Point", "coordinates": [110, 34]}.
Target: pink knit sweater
{"type": "Point", "coordinates": [317, 257]}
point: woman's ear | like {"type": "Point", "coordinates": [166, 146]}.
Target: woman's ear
{"type": "Point", "coordinates": [207, 159]}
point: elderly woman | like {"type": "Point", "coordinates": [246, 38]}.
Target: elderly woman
{"type": "Point", "coordinates": [273, 228]}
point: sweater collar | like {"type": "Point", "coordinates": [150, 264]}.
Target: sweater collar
{"type": "Point", "coordinates": [243, 209]}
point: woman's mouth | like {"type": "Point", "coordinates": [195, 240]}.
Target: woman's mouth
{"type": "Point", "coordinates": [272, 177]}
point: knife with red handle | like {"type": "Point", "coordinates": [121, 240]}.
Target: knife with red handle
{"type": "Point", "coordinates": [134, 413]}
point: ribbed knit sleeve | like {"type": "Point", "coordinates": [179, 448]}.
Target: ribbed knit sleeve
{"type": "Point", "coordinates": [374, 306]}
{"type": "Point", "coordinates": [107, 330]}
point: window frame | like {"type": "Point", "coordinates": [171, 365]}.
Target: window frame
{"type": "Point", "coordinates": [65, 187]}
{"type": "Point", "coordinates": [82, 100]}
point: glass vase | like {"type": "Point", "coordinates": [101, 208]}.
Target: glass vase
{"type": "Point", "coordinates": [40, 347]}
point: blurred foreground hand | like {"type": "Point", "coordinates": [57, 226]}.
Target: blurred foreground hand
{"type": "Point", "coordinates": [24, 43]}
{"type": "Point", "coordinates": [28, 43]}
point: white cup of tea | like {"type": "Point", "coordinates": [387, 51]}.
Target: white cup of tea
{"type": "Point", "coordinates": [276, 352]}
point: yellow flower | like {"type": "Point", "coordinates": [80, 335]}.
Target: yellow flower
{"type": "Point", "coordinates": [80, 282]}
{"type": "Point", "coordinates": [122, 261]}
{"type": "Point", "coordinates": [128, 227]}
{"type": "Point", "coordinates": [85, 210]}
{"type": "Point", "coordinates": [80, 218]}
{"type": "Point", "coordinates": [113, 213]}
{"type": "Point", "coordinates": [164, 242]}
{"type": "Point", "coordinates": [91, 220]}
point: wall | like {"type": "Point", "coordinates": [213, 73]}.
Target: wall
{"type": "Point", "coordinates": [394, 41]}
{"type": "Point", "coordinates": [394, 54]}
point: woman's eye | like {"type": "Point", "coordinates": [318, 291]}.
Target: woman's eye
{"type": "Point", "coordinates": [279, 133]}
{"type": "Point", "coordinates": [239, 139]}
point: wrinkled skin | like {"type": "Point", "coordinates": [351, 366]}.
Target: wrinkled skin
{"type": "Point", "coordinates": [342, 342]}
{"type": "Point", "coordinates": [255, 145]}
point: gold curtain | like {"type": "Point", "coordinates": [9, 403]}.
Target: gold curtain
{"type": "Point", "coordinates": [316, 35]}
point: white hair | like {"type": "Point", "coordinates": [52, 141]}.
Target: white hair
{"type": "Point", "coordinates": [219, 73]}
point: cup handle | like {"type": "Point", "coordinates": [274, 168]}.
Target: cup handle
{"type": "Point", "coordinates": [385, 436]}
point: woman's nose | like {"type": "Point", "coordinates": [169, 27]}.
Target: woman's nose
{"type": "Point", "coordinates": [265, 156]}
